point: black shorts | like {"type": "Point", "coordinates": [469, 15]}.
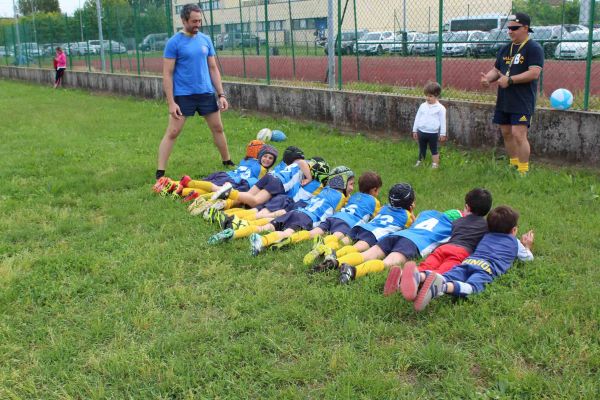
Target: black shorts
{"type": "Point", "coordinates": [504, 118]}
{"type": "Point", "coordinates": [204, 104]}
{"type": "Point", "coordinates": [333, 225]}
{"type": "Point", "coordinates": [359, 233]}
{"type": "Point", "coordinates": [295, 220]}
{"type": "Point", "coordinates": [399, 244]}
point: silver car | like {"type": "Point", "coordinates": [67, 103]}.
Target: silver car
{"type": "Point", "coordinates": [575, 45]}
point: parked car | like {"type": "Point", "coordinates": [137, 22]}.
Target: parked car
{"type": "Point", "coordinates": [236, 39]}
{"type": "Point", "coordinates": [411, 39]}
{"type": "Point", "coordinates": [32, 49]}
{"type": "Point", "coordinates": [349, 39]}
{"type": "Point", "coordinates": [112, 46]}
{"type": "Point", "coordinates": [428, 45]}
{"type": "Point", "coordinates": [6, 52]}
{"type": "Point", "coordinates": [375, 43]}
{"type": "Point", "coordinates": [154, 42]}
{"type": "Point", "coordinates": [499, 37]}
{"type": "Point", "coordinates": [575, 46]}
{"type": "Point", "coordinates": [550, 36]}
{"type": "Point", "coordinates": [461, 43]}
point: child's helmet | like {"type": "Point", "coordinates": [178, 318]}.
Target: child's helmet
{"type": "Point", "coordinates": [253, 148]}
{"type": "Point", "coordinates": [319, 169]}
{"type": "Point", "coordinates": [339, 177]}
{"type": "Point", "coordinates": [291, 154]}
{"type": "Point", "coordinates": [401, 195]}
{"type": "Point", "coordinates": [268, 149]}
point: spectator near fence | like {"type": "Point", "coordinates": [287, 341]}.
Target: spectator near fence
{"type": "Point", "coordinates": [190, 79]}
{"type": "Point", "coordinates": [60, 64]}
{"type": "Point", "coordinates": [517, 69]}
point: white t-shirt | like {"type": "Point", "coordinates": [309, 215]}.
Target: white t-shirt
{"type": "Point", "coordinates": [431, 118]}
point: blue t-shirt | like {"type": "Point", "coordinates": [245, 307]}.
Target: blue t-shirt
{"type": "Point", "coordinates": [430, 229]}
{"type": "Point", "coordinates": [249, 170]}
{"type": "Point", "coordinates": [191, 54]}
{"type": "Point", "coordinates": [518, 98]}
{"type": "Point", "coordinates": [390, 219]}
{"type": "Point", "coordinates": [323, 205]}
{"type": "Point", "coordinates": [359, 208]}
{"type": "Point", "coordinates": [495, 253]}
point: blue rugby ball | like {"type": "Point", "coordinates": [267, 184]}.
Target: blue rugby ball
{"type": "Point", "coordinates": [278, 136]}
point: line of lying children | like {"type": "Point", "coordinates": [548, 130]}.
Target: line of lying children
{"type": "Point", "coordinates": [302, 199]}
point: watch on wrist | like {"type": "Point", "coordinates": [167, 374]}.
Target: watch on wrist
{"type": "Point", "coordinates": [221, 95]}
{"type": "Point", "coordinates": [510, 81]}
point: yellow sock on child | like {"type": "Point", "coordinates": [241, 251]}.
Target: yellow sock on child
{"type": "Point", "coordinates": [202, 185]}
{"type": "Point", "coordinates": [346, 250]}
{"type": "Point", "coordinates": [514, 162]}
{"type": "Point", "coordinates": [351, 259]}
{"type": "Point", "coordinates": [300, 236]}
{"type": "Point", "coordinates": [259, 222]}
{"type": "Point", "coordinates": [369, 267]}
{"type": "Point", "coordinates": [271, 238]}
{"type": "Point", "coordinates": [523, 168]}
{"type": "Point", "coordinates": [245, 231]}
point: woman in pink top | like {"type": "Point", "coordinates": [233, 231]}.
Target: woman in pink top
{"type": "Point", "coordinates": [60, 64]}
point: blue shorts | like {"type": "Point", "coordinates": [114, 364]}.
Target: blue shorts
{"type": "Point", "coordinates": [271, 184]}
{"type": "Point", "coordinates": [399, 244]}
{"type": "Point", "coordinates": [220, 178]}
{"type": "Point", "coordinates": [295, 220]}
{"type": "Point", "coordinates": [504, 118]}
{"type": "Point", "coordinates": [333, 225]}
{"type": "Point", "coordinates": [204, 104]}
{"type": "Point", "coordinates": [472, 274]}
{"type": "Point", "coordinates": [359, 233]}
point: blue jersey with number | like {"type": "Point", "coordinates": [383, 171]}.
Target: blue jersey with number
{"type": "Point", "coordinates": [305, 192]}
{"type": "Point", "coordinates": [279, 167]}
{"type": "Point", "coordinates": [290, 176]}
{"type": "Point", "coordinates": [323, 205]}
{"type": "Point", "coordinates": [359, 208]}
{"type": "Point", "coordinates": [249, 170]}
{"type": "Point", "coordinates": [390, 219]}
{"type": "Point", "coordinates": [430, 229]}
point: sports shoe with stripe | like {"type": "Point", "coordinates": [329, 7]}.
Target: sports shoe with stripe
{"type": "Point", "coordinates": [392, 283]}
{"type": "Point", "coordinates": [256, 245]}
{"type": "Point", "coordinates": [221, 236]}
{"type": "Point", "coordinates": [169, 188]}
{"type": "Point", "coordinates": [409, 283]}
{"type": "Point", "coordinates": [347, 274]}
{"type": "Point", "coordinates": [193, 195]}
{"type": "Point", "coordinates": [160, 184]}
{"type": "Point", "coordinates": [199, 206]}
{"type": "Point", "coordinates": [432, 287]}
{"type": "Point", "coordinates": [222, 193]}
{"type": "Point", "coordinates": [330, 262]}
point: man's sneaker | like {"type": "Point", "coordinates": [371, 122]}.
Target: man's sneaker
{"type": "Point", "coordinates": [409, 284]}
{"type": "Point", "coordinates": [193, 195]}
{"type": "Point", "coordinates": [330, 262]}
{"type": "Point", "coordinates": [256, 245]}
{"type": "Point", "coordinates": [347, 273]}
{"type": "Point", "coordinates": [282, 243]}
{"type": "Point", "coordinates": [185, 180]}
{"type": "Point", "coordinates": [418, 163]}
{"type": "Point", "coordinates": [432, 287]}
{"type": "Point", "coordinates": [223, 192]}
{"type": "Point", "coordinates": [221, 236]}
{"type": "Point", "coordinates": [160, 184]}
{"type": "Point", "coordinates": [392, 283]}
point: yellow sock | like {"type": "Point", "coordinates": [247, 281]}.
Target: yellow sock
{"type": "Point", "coordinates": [368, 267]}
{"type": "Point", "coordinates": [351, 259]}
{"type": "Point", "coordinates": [259, 222]}
{"type": "Point", "coordinates": [300, 236]}
{"type": "Point", "coordinates": [228, 204]}
{"type": "Point", "coordinates": [246, 214]}
{"type": "Point", "coordinates": [245, 231]}
{"type": "Point", "coordinates": [523, 167]}
{"type": "Point", "coordinates": [330, 239]}
{"type": "Point", "coordinates": [346, 250]}
{"type": "Point", "coordinates": [206, 196]}
{"type": "Point", "coordinates": [187, 191]}
{"type": "Point", "coordinates": [234, 194]}
{"type": "Point", "coordinates": [514, 162]}
{"type": "Point", "coordinates": [233, 211]}
{"type": "Point", "coordinates": [271, 238]}
{"type": "Point", "coordinates": [202, 185]}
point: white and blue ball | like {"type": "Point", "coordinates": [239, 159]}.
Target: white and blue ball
{"type": "Point", "coordinates": [278, 136]}
{"type": "Point", "coordinates": [561, 99]}
{"type": "Point", "coordinates": [264, 135]}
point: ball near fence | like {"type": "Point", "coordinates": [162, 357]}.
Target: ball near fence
{"type": "Point", "coordinates": [561, 99]}
{"type": "Point", "coordinates": [264, 135]}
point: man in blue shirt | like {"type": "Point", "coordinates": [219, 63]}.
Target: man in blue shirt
{"type": "Point", "coordinates": [190, 79]}
{"type": "Point", "coordinates": [517, 69]}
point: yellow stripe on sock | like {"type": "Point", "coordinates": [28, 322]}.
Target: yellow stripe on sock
{"type": "Point", "coordinates": [523, 167]}
{"type": "Point", "coordinates": [514, 161]}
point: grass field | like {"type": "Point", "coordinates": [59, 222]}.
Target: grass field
{"type": "Point", "coordinates": [109, 291]}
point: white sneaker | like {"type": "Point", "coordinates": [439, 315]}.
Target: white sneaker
{"type": "Point", "coordinates": [434, 166]}
{"type": "Point", "coordinates": [418, 163]}
{"type": "Point", "coordinates": [223, 192]}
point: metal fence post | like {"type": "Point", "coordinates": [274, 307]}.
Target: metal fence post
{"type": "Point", "coordinates": [338, 43]}
{"type": "Point", "coordinates": [266, 26]}
{"type": "Point", "coordinates": [588, 62]}
{"type": "Point", "coordinates": [438, 49]}
{"type": "Point", "coordinates": [356, 43]}
{"type": "Point", "coordinates": [292, 39]}
{"type": "Point", "coordinates": [212, 23]}
{"type": "Point", "coordinates": [242, 29]}
{"type": "Point", "coordinates": [137, 36]}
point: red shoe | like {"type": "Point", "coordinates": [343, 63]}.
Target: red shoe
{"type": "Point", "coordinates": [185, 180]}
{"type": "Point", "coordinates": [392, 283]}
{"type": "Point", "coordinates": [409, 284]}
{"type": "Point", "coordinates": [193, 195]}
{"type": "Point", "coordinates": [160, 184]}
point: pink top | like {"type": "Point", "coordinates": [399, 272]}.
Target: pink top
{"type": "Point", "coordinates": [61, 60]}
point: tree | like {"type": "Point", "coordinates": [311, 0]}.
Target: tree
{"type": "Point", "coordinates": [27, 7]}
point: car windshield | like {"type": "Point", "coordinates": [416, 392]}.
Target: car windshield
{"type": "Point", "coordinates": [541, 33]}
{"type": "Point", "coordinates": [578, 35]}
{"type": "Point", "coordinates": [457, 37]}
{"type": "Point", "coordinates": [347, 35]}
{"type": "Point", "coordinates": [372, 36]}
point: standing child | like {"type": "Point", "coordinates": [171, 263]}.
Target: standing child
{"type": "Point", "coordinates": [60, 64]}
{"type": "Point", "coordinates": [430, 123]}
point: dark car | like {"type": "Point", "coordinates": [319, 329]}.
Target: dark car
{"type": "Point", "coordinates": [349, 38]}
{"type": "Point", "coordinates": [498, 38]}
{"type": "Point", "coordinates": [236, 39]}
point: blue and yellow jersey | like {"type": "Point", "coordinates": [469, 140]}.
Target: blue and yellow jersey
{"type": "Point", "coordinates": [430, 229]}
{"type": "Point", "coordinates": [389, 219]}
{"type": "Point", "coordinates": [249, 170]}
{"type": "Point", "coordinates": [279, 167]}
{"type": "Point", "coordinates": [305, 192]}
{"type": "Point", "coordinates": [290, 176]}
{"type": "Point", "coordinates": [323, 205]}
{"type": "Point", "coordinates": [361, 207]}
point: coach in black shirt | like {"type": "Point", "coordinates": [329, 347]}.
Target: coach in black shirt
{"type": "Point", "coordinates": [517, 69]}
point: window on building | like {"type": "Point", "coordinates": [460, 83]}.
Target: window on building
{"type": "Point", "coordinates": [237, 27]}
{"type": "Point", "coordinates": [205, 5]}
{"type": "Point", "coordinates": [273, 26]}
{"type": "Point", "coordinates": [310, 23]}
{"type": "Point", "coordinates": [206, 29]}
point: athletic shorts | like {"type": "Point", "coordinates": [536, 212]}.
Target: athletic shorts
{"type": "Point", "coordinates": [359, 233]}
{"type": "Point", "coordinates": [333, 225]}
{"type": "Point", "coordinates": [204, 104]}
{"type": "Point", "coordinates": [279, 202]}
{"type": "Point", "coordinates": [504, 118]}
{"type": "Point", "coordinates": [271, 184]}
{"type": "Point", "coordinates": [399, 244]}
{"type": "Point", "coordinates": [295, 220]}
{"type": "Point", "coordinates": [220, 178]}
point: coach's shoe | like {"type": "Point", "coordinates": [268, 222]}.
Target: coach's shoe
{"type": "Point", "coordinates": [282, 243]}
{"type": "Point", "coordinates": [160, 184]}
{"type": "Point", "coordinates": [409, 283]}
{"type": "Point", "coordinates": [221, 236]}
{"type": "Point", "coordinates": [392, 283]}
{"type": "Point", "coordinates": [223, 192]}
{"type": "Point", "coordinates": [347, 273]}
{"type": "Point", "coordinates": [193, 195]}
{"type": "Point", "coordinates": [432, 287]}
{"type": "Point", "coordinates": [418, 163]}
{"type": "Point", "coordinates": [256, 245]}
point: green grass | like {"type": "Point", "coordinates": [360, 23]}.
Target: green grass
{"type": "Point", "coordinates": [108, 291]}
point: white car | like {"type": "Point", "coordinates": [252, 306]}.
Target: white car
{"type": "Point", "coordinates": [112, 46]}
{"type": "Point", "coordinates": [375, 43]}
{"type": "Point", "coordinates": [461, 43]}
{"type": "Point", "coordinates": [411, 38]}
{"type": "Point", "coordinates": [575, 46]}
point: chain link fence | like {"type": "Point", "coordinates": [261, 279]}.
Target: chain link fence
{"type": "Point", "coordinates": [384, 46]}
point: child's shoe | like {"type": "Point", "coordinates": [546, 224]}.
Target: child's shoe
{"type": "Point", "coordinates": [409, 283]}
{"type": "Point", "coordinates": [435, 166]}
{"type": "Point", "coordinates": [223, 192]}
{"type": "Point", "coordinates": [282, 243]}
{"type": "Point", "coordinates": [392, 283]}
{"type": "Point", "coordinates": [221, 236]}
{"type": "Point", "coordinates": [330, 262]}
{"type": "Point", "coordinates": [347, 274]}
{"type": "Point", "coordinates": [185, 180]}
{"type": "Point", "coordinates": [418, 163]}
{"type": "Point", "coordinates": [256, 245]}
{"type": "Point", "coordinates": [432, 287]}
{"type": "Point", "coordinates": [193, 195]}
{"type": "Point", "coordinates": [160, 184]}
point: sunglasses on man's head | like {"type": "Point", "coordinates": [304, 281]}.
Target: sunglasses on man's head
{"type": "Point", "coordinates": [514, 28]}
